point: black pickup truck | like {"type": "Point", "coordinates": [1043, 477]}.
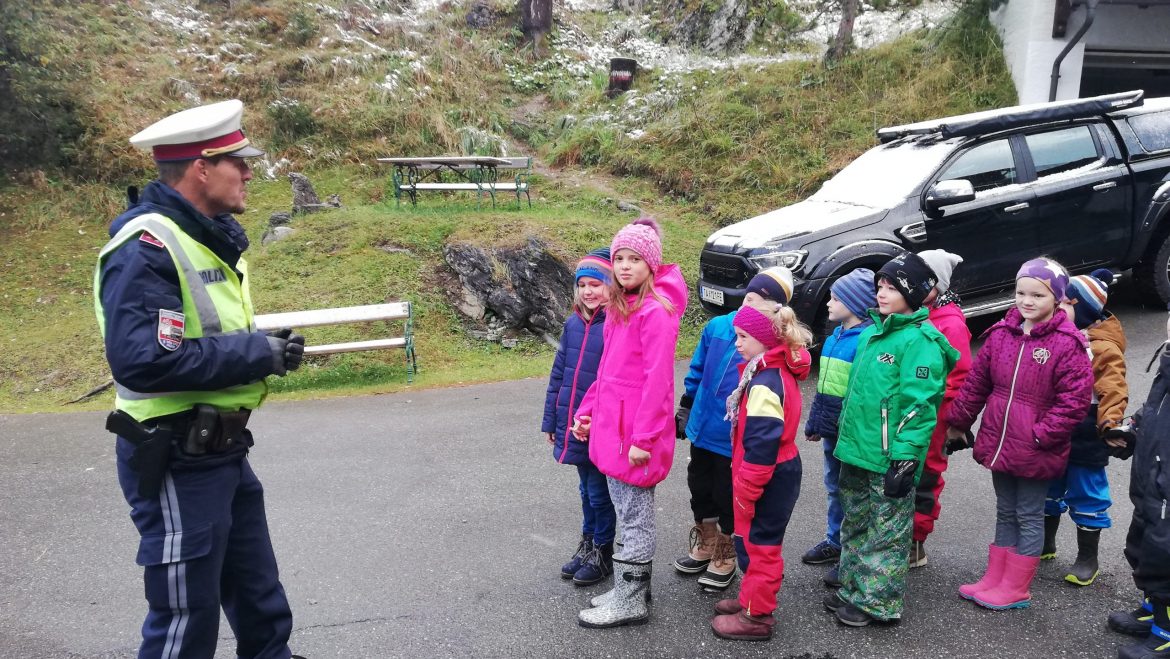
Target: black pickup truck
{"type": "Point", "coordinates": [1086, 182]}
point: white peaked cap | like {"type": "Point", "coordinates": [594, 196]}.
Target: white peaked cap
{"type": "Point", "coordinates": [200, 132]}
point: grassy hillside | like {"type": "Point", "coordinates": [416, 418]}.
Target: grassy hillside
{"type": "Point", "coordinates": [697, 149]}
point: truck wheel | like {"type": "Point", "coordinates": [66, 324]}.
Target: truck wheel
{"type": "Point", "coordinates": [1152, 276]}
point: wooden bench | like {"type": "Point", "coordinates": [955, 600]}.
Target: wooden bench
{"type": "Point", "coordinates": [475, 173]}
{"type": "Point", "coordinates": [363, 314]}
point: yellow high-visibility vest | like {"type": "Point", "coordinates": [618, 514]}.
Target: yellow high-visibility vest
{"type": "Point", "coordinates": [223, 306]}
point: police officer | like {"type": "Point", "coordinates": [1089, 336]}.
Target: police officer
{"type": "Point", "coordinates": [189, 366]}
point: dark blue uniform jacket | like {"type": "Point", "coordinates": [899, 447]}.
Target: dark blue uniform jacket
{"type": "Point", "coordinates": [140, 278]}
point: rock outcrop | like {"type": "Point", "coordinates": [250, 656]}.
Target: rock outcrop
{"type": "Point", "coordinates": [305, 199]}
{"type": "Point", "coordinates": [726, 28]}
{"type": "Point", "coordinates": [511, 288]}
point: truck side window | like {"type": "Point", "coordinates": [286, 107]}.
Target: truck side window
{"type": "Point", "coordinates": [986, 166]}
{"type": "Point", "coordinates": [1062, 150]}
{"type": "Point", "coordinates": [1152, 130]}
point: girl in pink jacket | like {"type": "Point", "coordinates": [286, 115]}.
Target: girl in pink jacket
{"type": "Point", "coordinates": [1033, 381]}
{"type": "Point", "coordinates": [627, 416]}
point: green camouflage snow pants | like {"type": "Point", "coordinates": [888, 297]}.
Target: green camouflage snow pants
{"type": "Point", "coordinates": [875, 544]}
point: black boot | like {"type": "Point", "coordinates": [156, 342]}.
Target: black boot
{"type": "Point", "coordinates": [1133, 623]}
{"type": "Point", "coordinates": [1157, 644]}
{"type": "Point", "coordinates": [1085, 569]}
{"type": "Point", "coordinates": [1051, 524]}
{"type": "Point", "coordinates": [574, 564]}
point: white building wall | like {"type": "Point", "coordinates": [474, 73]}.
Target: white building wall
{"type": "Point", "coordinates": [1025, 26]}
{"type": "Point", "coordinates": [1026, 29]}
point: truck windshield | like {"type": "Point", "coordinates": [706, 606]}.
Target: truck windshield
{"type": "Point", "coordinates": [885, 175]}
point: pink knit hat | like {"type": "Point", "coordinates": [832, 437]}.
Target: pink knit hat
{"type": "Point", "coordinates": [757, 325]}
{"type": "Point", "coordinates": [644, 236]}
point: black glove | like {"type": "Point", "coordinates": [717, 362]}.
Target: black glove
{"type": "Point", "coordinates": [680, 422]}
{"type": "Point", "coordinates": [288, 350]}
{"type": "Point", "coordinates": [953, 445]}
{"type": "Point", "coordinates": [899, 479]}
{"type": "Point", "coordinates": [1126, 433]}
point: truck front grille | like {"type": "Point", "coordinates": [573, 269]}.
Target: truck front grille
{"type": "Point", "coordinates": [724, 269]}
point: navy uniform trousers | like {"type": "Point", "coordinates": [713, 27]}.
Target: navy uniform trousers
{"type": "Point", "coordinates": [205, 544]}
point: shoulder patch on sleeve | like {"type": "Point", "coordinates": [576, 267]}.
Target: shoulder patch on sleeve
{"type": "Point", "coordinates": [171, 328]}
{"type": "Point", "coordinates": [922, 372]}
{"type": "Point", "coordinates": [149, 239]}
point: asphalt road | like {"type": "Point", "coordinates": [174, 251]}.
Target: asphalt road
{"type": "Point", "coordinates": [434, 523]}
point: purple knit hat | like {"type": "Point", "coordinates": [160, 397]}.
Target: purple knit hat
{"type": "Point", "coordinates": [644, 236]}
{"type": "Point", "coordinates": [757, 325]}
{"type": "Point", "coordinates": [1047, 272]}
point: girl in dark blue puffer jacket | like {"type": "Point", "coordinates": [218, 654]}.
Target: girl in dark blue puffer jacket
{"type": "Point", "coordinates": [574, 369]}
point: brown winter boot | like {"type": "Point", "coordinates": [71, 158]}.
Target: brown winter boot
{"type": "Point", "coordinates": [721, 570]}
{"type": "Point", "coordinates": [743, 627]}
{"type": "Point", "coordinates": [702, 543]}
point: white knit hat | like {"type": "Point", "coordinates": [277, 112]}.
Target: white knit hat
{"type": "Point", "coordinates": [943, 264]}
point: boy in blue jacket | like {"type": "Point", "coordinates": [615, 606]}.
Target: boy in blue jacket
{"type": "Point", "coordinates": [713, 375]}
{"type": "Point", "coordinates": [850, 298]}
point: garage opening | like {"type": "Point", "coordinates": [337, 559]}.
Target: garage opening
{"type": "Point", "coordinates": [1108, 72]}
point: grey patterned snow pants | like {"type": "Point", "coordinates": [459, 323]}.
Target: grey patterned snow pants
{"type": "Point", "coordinates": [635, 513]}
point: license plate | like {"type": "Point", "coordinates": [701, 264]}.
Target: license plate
{"type": "Point", "coordinates": [711, 295]}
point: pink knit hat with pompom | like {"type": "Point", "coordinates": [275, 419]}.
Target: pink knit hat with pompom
{"type": "Point", "coordinates": [644, 236]}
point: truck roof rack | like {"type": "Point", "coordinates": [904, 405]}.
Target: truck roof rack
{"type": "Point", "coordinates": [991, 121]}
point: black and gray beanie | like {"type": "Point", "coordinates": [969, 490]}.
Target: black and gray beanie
{"type": "Point", "coordinates": [911, 276]}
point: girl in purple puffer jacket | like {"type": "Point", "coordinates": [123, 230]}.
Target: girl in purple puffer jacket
{"type": "Point", "coordinates": [1033, 381]}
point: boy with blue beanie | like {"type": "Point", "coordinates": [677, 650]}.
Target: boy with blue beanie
{"type": "Point", "coordinates": [1083, 491]}
{"type": "Point", "coordinates": [713, 375]}
{"type": "Point", "coordinates": [850, 298]}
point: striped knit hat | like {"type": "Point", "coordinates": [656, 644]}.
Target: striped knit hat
{"type": "Point", "coordinates": [644, 236]}
{"type": "Point", "coordinates": [773, 284]}
{"type": "Point", "coordinates": [1088, 294]}
{"type": "Point", "coordinates": [856, 291]}
{"type": "Point", "coordinates": [595, 264]}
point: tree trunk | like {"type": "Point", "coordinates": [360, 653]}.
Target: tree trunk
{"type": "Point", "coordinates": [535, 20]}
{"type": "Point", "coordinates": [844, 39]}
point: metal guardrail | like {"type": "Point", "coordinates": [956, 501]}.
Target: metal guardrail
{"type": "Point", "coordinates": [343, 315]}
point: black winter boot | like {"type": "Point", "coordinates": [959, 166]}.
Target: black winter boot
{"type": "Point", "coordinates": [1133, 623]}
{"type": "Point", "coordinates": [574, 564]}
{"type": "Point", "coordinates": [1084, 570]}
{"type": "Point", "coordinates": [1157, 644]}
{"type": "Point", "coordinates": [1051, 524]}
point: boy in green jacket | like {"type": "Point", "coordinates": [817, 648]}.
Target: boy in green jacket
{"type": "Point", "coordinates": [889, 412]}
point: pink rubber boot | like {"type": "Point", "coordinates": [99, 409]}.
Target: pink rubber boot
{"type": "Point", "coordinates": [996, 557]}
{"type": "Point", "coordinates": [1013, 591]}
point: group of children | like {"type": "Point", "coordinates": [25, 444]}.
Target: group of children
{"type": "Point", "coordinates": [897, 392]}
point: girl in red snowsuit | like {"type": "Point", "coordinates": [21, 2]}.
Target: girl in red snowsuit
{"type": "Point", "coordinates": [765, 462]}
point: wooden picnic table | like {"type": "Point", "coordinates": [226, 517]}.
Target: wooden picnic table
{"type": "Point", "coordinates": [447, 161]}
{"type": "Point", "coordinates": [474, 173]}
